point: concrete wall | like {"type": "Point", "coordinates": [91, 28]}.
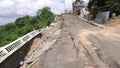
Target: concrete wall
{"type": "Point", "coordinates": [102, 15]}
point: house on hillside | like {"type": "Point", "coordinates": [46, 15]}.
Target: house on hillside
{"type": "Point", "coordinates": [77, 6]}
{"type": "Point", "coordinates": [80, 9]}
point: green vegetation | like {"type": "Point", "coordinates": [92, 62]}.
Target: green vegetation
{"type": "Point", "coordinates": [104, 5]}
{"type": "Point", "coordinates": [23, 25]}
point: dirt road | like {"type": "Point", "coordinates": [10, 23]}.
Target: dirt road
{"type": "Point", "coordinates": [81, 45]}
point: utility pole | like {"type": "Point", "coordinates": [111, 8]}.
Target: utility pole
{"type": "Point", "coordinates": [64, 6]}
{"type": "Point", "coordinates": [72, 4]}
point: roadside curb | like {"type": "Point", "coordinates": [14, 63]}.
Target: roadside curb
{"type": "Point", "coordinates": [29, 66]}
{"type": "Point", "coordinates": [92, 23]}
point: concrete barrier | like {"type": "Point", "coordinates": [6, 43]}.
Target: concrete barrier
{"type": "Point", "coordinates": [9, 49]}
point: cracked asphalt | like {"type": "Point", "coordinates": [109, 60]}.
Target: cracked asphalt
{"type": "Point", "coordinates": [81, 45]}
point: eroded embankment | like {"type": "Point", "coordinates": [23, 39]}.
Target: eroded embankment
{"type": "Point", "coordinates": [13, 60]}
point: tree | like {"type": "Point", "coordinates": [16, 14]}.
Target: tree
{"type": "Point", "coordinates": [22, 21]}
{"type": "Point", "coordinates": [113, 6]}
{"type": "Point", "coordinates": [104, 5]}
{"type": "Point", "coordinates": [46, 15]}
{"type": "Point", "coordinates": [23, 25]}
{"type": "Point", "coordinates": [9, 26]}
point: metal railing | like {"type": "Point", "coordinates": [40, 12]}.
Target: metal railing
{"type": "Point", "coordinates": [9, 49]}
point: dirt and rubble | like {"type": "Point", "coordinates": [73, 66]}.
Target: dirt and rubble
{"type": "Point", "coordinates": [41, 45]}
{"type": "Point", "coordinates": [73, 43]}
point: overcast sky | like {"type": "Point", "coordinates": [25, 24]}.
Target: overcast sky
{"type": "Point", "coordinates": [12, 9]}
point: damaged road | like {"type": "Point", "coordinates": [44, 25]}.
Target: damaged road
{"type": "Point", "coordinates": [81, 45]}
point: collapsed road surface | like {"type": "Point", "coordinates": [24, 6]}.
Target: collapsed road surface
{"type": "Point", "coordinates": [81, 45]}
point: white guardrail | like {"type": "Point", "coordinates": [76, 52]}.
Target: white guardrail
{"type": "Point", "coordinates": [9, 49]}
